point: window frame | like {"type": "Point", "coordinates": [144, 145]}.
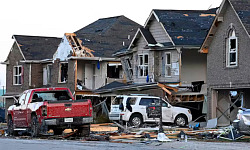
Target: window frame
{"type": "Point", "coordinates": [168, 64]}
{"type": "Point", "coordinates": [230, 50]}
{"type": "Point", "coordinates": [143, 65]}
{"type": "Point", "coordinates": [18, 75]}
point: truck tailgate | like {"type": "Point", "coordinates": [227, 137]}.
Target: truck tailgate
{"type": "Point", "coordinates": [65, 108]}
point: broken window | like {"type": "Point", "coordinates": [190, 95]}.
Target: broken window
{"type": "Point", "coordinates": [168, 65]}
{"type": "Point", "coordinates": [63, 72]}
{"type": "Point", "coordinates": [143, 65]}
{"type": "Point", "coordinates": [232, 50]}
{"type": "Point", "coordinates": [113, 71]}
{"type": "Point", "coordinates": [17, 75]}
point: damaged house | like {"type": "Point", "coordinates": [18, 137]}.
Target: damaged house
{"type": "Point", "coordinates": [165, 51]}
{"type": "Point", "coordinates": [227, 50]}
{"type": "Point", "coordinates": [84, 58]}
{"type": "Point", "coordinates": [81, 61]}
{"type": "Point", "coordinates": [27, 59]}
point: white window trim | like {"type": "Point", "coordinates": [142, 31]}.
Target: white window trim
{"type": "Point", "coordinates": [20, 74]}
{"type": "Point", "coordinates": [166, 64]}
{"type": "Point", "coordinates": [143, 65]}
{"type": "Point", "coordinates": [59, 76]}
{"type": "Point", "coordinates": [229, 51]}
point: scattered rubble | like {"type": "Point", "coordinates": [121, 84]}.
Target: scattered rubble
{"type": "Point", "coordinates": [148, 135]}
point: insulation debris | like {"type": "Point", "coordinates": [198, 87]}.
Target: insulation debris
{"type": "Point", "coordinates": [180, 37]}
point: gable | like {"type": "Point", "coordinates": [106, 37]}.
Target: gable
{"type": "Point", "coordinates": [158, 31]}
{"type": "Point", "coordinates": [15, 53]}
{"type": "Point", "coordinates": [240, 9]}
{"type": "Point", "coordinates": [64, 50]}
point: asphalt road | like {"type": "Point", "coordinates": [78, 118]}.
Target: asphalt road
{"type": "Point", "coordinates": [43, 144]}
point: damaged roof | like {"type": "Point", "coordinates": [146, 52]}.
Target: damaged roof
{"type": "Point", "coordinates": [37, 47]}
{"type": "Point", "coordinates": [108, 35]}
{"type": "Point", "coordinates": [186, 27]}
{"type": "Point", "coordinates": [242, 8]}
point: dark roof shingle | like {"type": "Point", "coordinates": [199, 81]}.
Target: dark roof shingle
{"type": "Point", "coordinates": [106, 36]}
{"type": "Point", "coordinates": [242, 8]}
{"type": "Point", "coordinates": [37, 47]}
{"type": "Point", "coordinates": [186, 27]}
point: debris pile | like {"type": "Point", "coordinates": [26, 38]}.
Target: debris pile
{"type": "Point", "coordinates": [111, 132]}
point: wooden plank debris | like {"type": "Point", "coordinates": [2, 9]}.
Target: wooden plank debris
{"type": "Point", "coordinates": [105, 127]}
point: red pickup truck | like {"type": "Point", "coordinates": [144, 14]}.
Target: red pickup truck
{"type": "Point", "coordinates": [39, 110]}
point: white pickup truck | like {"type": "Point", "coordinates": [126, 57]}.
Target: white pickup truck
{"type": "Point", "coordinates": [132, 109]}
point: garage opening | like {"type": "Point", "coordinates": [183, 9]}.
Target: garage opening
{"type": "Point", "coordinates": [228, 104]}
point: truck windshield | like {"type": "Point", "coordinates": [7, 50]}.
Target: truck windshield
{"type": "Point", "coordinates": [50, 96]}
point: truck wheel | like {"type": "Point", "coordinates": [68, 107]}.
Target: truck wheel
{"type": "Point", "coordinates": [34, 126]}
{"type": "Point", "coordinates": [10, 126]}
{"type": "Point", "coordinates": [136, 120]}
{"type": "Point", "coordinates": [181, 120]}
{"type": "Point", "coordinates": [84, 130]}
{"type": "Point", "coordinates": [57, 131]}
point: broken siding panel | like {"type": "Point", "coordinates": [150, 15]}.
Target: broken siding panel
{"type": "Point", "coordinates": [125, 66]}
{"type": "Point", "coordinates": [64, 50]}
{"type": "Point", "coordinates": [158, 32]}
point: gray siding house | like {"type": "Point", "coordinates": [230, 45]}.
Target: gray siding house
{"type": "Point", "coordinates": [227, 49]}
{"type": "Point", "coordinates": [166, 48]}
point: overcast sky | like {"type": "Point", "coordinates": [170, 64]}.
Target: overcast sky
{"type": "Point", "coordinates": [56, 17]}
